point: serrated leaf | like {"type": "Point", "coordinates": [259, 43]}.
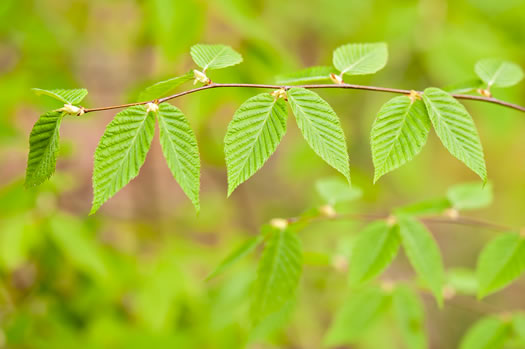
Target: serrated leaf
{"type": "Point", "coordinates": [360, 310]}
{"type": "Point", "coordinates": [375, 248]}
{"type": "Point", "coordinates": [43, 148]}
{"type": "Point", "coordinates": [358, 59]}
{"type": "Point", "coordinates": [410, 316]}
{"type": "Point", "coordinates": [423, 253]}
{"type": "Point", "coordinates": [307, 75]}
{"type": "Point", "coordinates": [162, 88]}
{"type": "Point", "coordinates": [462, 280]}
{"type": "Point", "coordinates": [465, 86]}
{"type": "Point", "coordinates": [498, 73]}
{"type": "Point", "coordinates": [210, 57]}
{"type": "Point", "coordinates": [278, 274]}
{"type": "Point", "coordinates": [487, 333]}
{"type": "Point", "coordinates": [121, 152]}
{"type": "Point", "coordinates": [456, 129]}
{"type": "Point", "coordinates": [427, 207]}
{"type": "Point", "coordinates": [320, 127]}
{"type": "Point", "coordinates": [501, 261]}
{"type": "Point", "coordinates": [252, 137]}
{"type": "Point", "coordinates": [399, 133]}
{"type": "Point", "coordinates": [470, 196]}
{"type": "Point", "coordinates": [335, 190]}
{"type": "Point", "coordinates": [236, 255]}
{"type": "Point", "coordinates": [73, 96]}
{"type": "Point", "coordinates": [180, 150]}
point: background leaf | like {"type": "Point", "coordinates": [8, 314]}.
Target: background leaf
{"type": "Point", "coordinates": [180, 150]}
{"type": "Point", "coordinates": [456, 129]}
{"type": "Point", "coordinates": [463, 280]}
{"type": "Point", "coordinates": [121, 152]}
{"type": "Point", "coordinates": [307, 75]}
{"type": "Point", "coordinates": [399, 133]}
{"type": "Point", "coordinates": [252, 137]}
{"type": "Point", "coordinates": [210, 57]}
{"type": "Point", "coordinates": [162, 88]}
{"type": "Point", "coordinates": [498, 73]}
{"type": "Point", "coordinates": [357, 59]}
{"type": "Point", "coordinates": [335, 190]}
{"type": "Point", "coordinates": [320, 127]}
{"type": "Point", "coordinates": [66, 96]}
{"type": "Point", "coordinates": [487, 333]}
{"type": "Point", "coordinates": [410, 317]}
{"type": "Point", "coordinates": [469, 196]}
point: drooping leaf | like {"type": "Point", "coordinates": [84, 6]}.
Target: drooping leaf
{"type": "Point", "coordinates": [488, 333]}
{"type": "Point", "coordinates": [360, 310]}
{"type": "Point", "coordinates": [501, 261]}
{"type": "Point", "coordinates": [335, 190]}
{"type": "Point", "coordinates": [320, 127]}
{"type": "Point", "coordinates": [73, 96]}
{"type": "Point", "coordinates": [465, 86]}
{"type": "Point", "coordinates": [498, 73]}
{"type": "Point", "coordinates": [376, 247]}
{"type": "Point", "coordinates": [463, 280]}
{"type": "Point", "coordinates": [399, 133]}
{"type": "Point", "coordinates": [427, 207]}
{"type": "Point", "coordinates": [423, 253]}
{"type": "Point", "coordinates": [236, 255]}
{"type": "Point", "coordinates": [469, 196]}
{"type": "Point", "coordinates": [43, 148]}
{"type": "Point", "coordinates": [277, 275]}
{"type": "Point", "coordinates": [357, 59]}
{"type": "Point", "coordinates": [210, 57]}
{"type": "Point", "coordinates": [162, 88]}
{"type": "Point", "coordinates": [121, 152]}
{"type": "Point", "coordinates": [253, 136]}
{"type": "Point", "coordinates": [307, 75]}
{"type": "Point", "coordinates": [410, 317]}
{"type": "Point", "coordinates": [456, 129]}
{"type": "Point", "coordinates": [180, 150]}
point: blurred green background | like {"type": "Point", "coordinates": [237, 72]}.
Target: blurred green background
{"type": "Point", "coordinates": [132, 276]}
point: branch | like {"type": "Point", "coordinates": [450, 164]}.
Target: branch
{"type": "Point", "coordinates": [315, 86]}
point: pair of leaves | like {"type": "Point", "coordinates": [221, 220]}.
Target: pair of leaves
{"type": "Point", "coordinates": [260, 123]}
{"type": "Point", "coordinates": [123, 148]}
{"type": "Point", "coordinates": [402, 126]}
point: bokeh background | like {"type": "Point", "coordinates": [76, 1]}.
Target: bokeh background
{"type": "Point", "coordinates": [132, 276]}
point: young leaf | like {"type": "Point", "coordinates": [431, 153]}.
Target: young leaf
{"type": "Point", "coordinates": [501, 261]}
{"type": "Point", "coordinates": [399, 133]}
{"type": "Point", "coordinates": [43, 148]}
{"type": "Point", "coordinates": [487, 333]}
{"type": "Point", "coordinates": [253, 135]}
{"type": "Point", "coordinates": [465, 86]}
{"type": "Point", "coordinates": [410, 317]}
{"type": "Point", "coordinates": [423, 253]}
{"type": "Point", "coordinates": [307, 75]}
{"type": "Point", "coordinates": [180, 150]}
{"type": "Point", "coordinates": [456, 129]}
{"type": "Point", "coordinates": [469, 196]}
{"type": "Point", "coordinates": [65, 96]}
{"type": "Point", "coordinates": [376, 247]}
{"type": "Point", "coordinates": [210, 57]}
{"type": "Point", "coordinates": [498, 73]}
{"type": "Point", "coordinates": [335, 190]}
{"type": "Point", "coordinates": [428, 207]}
{"type": "Point", "coordinates": [121, 152]}
{"type": "Point", "coordinates": [162, 88]}
{"type": "Point", "coordinates": [358, 313]}
{"type": "Point", "coordinates": [320, 127]}
{"type": "Point", "coordinates": [236, 255]}
{"type": "Point", "coordinates": [277, 275]}
{"type": "Point", "coordinates": [463, 281]}
{"type": "Point", "coordinates": [358, 59]}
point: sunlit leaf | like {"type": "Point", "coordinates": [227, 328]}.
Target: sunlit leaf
{"type": "Point", "coordinates": [357, 59]}
{"type": "Point", "coordinates": [498, 73]}
{"type": "Point", "coordinates": [488, 333]}
{"type": "Point", "coordinates": [307, 75]}
{"type": "Point", "coordinates": [469, 196]}
{"type": "Point", "coordinates": [210, 57]}
{"type": "Point", "coordinates": [162, 88]}
{"type": "Point", "coordinates": [335, 190]}
{"type": "Point", "coordinates": [65, 96]}
{"type": "Point", "coordinates": [410, 316]}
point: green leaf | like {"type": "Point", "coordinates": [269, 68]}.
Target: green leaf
{"type": "Point", "coordinates": [399, 133]}
{"type": "Point", "coordinates": [358, 313]}
{"type": "Point", "coordinates": [65, 96]}
{"type": "Point", "coordinates": [488, 333]}
{"type": "Point", "coordinates": [498, 73]}
{"type": "Point", "coordinates": [462, 280]}
{"type": "Point", "coordinates": [423, 253]}
{"type": "Point", "coordinates": [210, 57]}
{"type": "Point", "coordinates": [162, 88]}
{"type": "Point", "coordinates": [428, 207]}
{"type": "Point", "coordinates": [253, 135]}
{"type": "Point", "coordinates": [320, 127]}
{"type": "Point", "coordinates": [465, 86]}
{"type": "Point", "coordinates": [358, 59]}
{"type": "Point", "coordinates": [518, 326]}
{"type": "Point", "coordinates": [43, 148]}
{"type": "Point", "coordinates": [501, 261]}
{"type": "Point", "coordinates": [180, 149]}
{"type": "Point", "coordinates": [278, 274]}
{"type": "Point", "coordinates": [376, 247]}
{"type": "Point", "coordinates": [469, 196]}
{"type": "Point", "coordinates": [121, 152]}
{"type": "Point", "coordinates": [307, 75]}
{"type": "Point", "coordinates": [335, 190]}
{"type": "Point", "coordinates": [410, 316]}
{"type": "Point", "coordinates": [236, 255]}
{"type": "Point", "coordinates": [456, 129]}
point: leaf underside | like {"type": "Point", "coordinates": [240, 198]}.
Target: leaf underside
{"type": "Point", "coordinates": [498, 73]}
{"type": "Point", "coordinates": [359, 59]}
{"type": "Point", "coordinates": [210, 57]}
